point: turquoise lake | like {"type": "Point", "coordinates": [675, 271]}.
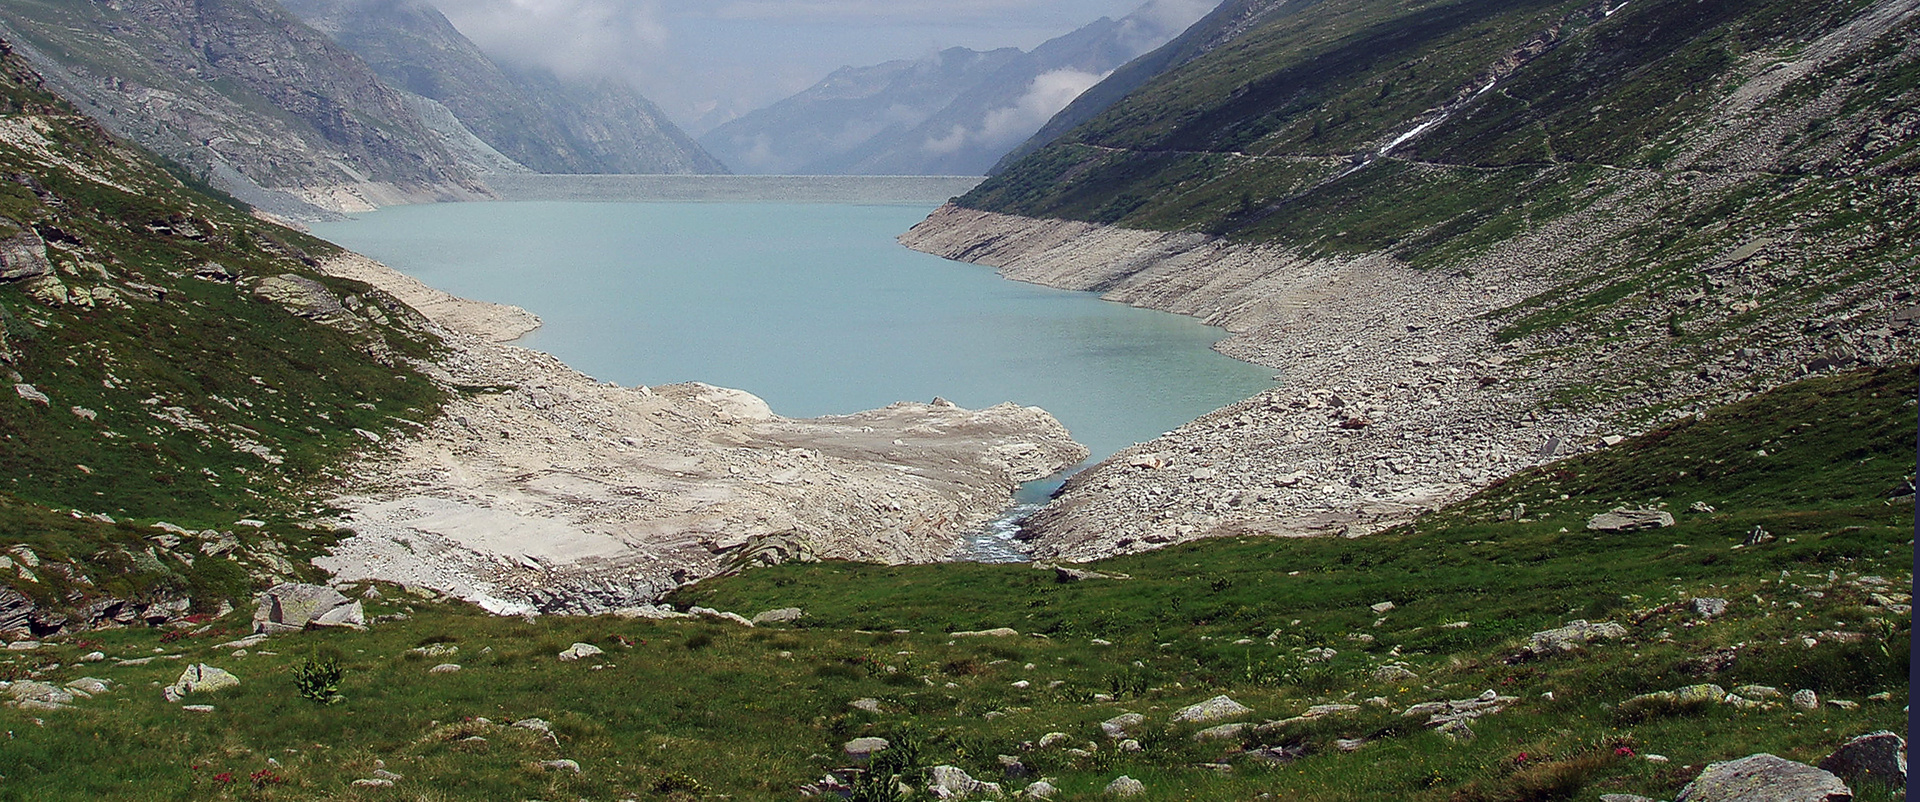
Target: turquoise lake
{"type": "Point", "coordinates": [812, 306]}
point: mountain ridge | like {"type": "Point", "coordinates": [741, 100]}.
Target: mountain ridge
{"type": "Point", "coordinates": [1486, 260]}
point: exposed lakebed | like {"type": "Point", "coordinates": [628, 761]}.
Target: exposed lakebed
{"type": "Point", "coordinates": [811, 306]}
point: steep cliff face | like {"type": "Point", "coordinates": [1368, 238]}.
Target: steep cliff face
{"type": "Point", "coordinates": [1474, 236]}
{"type": "Point", "coordinates": [548, 124]}
{"type": "Point", "coordinates": [242, 94]}
{"type": "Point", "coordinates": [954, 113]}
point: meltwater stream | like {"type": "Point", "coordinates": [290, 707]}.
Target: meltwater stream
{"type": "Point", "coordinates": [815, 308]}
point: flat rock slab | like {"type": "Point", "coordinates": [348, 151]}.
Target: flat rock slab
{"type": "Point", "coordinates": [1630, 520]}
{"type": "Point", "coordinates": [1764, 778]}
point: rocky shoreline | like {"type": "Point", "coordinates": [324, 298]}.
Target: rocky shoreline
{"type": "Point", "coordinates": [1399, 396]}
{"type": "Point", "coordinates": [540, 489]}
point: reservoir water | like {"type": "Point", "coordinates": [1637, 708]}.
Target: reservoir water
{"type": "Point", "coordinates": [811, 306]}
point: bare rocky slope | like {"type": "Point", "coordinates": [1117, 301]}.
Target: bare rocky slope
{"type": "Point", "coordinates": [245, 97]}
{"type": "Point", "coordinates": [1447, 312]}
{"type": "Point", "coordinates": [541, 121]}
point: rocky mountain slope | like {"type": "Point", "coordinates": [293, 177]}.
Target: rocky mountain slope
{"type": "Point", "coordinates": [244, 96]}
{"type": "Point", "coordinates": [193, 391]}
{"type": "Point", "coordinates": [1475, 236]}
{"type": "Point", "coordinates": [953, 113]}
{"type": "Point", "coordinates": [548, 124]}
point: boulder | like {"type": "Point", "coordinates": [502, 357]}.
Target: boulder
{"type": "Point", "coordinates": [292, 606]}
{"type": "Point", "coordinates": [349, 616]}
{"type": "Point", "coordinates": [1630, 520]}
{"type": "Point", "coordinates": [579, 650]}
{"type": "Point", "coordinates": [309, 299]}
{"type": "Point", "coordinates": [953, 782]}
{"type": "Point", "coordinates": [1572, 636]}
{"type": "Point", "coordinates": [1041, 790]}
{"type": "Point", "coordinates": [199, 678]}
{"type": "Point", "coordinates": [1125, 786]}
{"type": "Point", "coordinates": [1219, 708]}
{"type": "Point", "coordinates": [90, 686]}
{"type": "Point", "coordinates": [24, 254]}
{"type": "Point", "coordinates": [1122, 725]}
{"type": "Point", "coordinates": [862, 749]}
{"type": "Point", "coordinates": [1805, 699]}
{"type": "Point", "coordinates": [31, 695]}
{"type": "Point", "coordinates": [1764, 778]}
{"type": "Point", "coordinates": [1878, 758]}
{"type": "Point", "coordinates": [784, 615]}
{"type": "Point", "coordinates": [1393, 673]}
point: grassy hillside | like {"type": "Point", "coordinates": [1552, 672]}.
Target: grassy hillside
{"type": "Point", "coordinates": [702, 709]}
{"type": "Point", "coordinates": [151, 379]}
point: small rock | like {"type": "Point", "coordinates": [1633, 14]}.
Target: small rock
{"type": "Point", "coordinates": [561, 765]}
{"type": "Point", "coordinates": [1764, 778]}
{"type": "Point", "coordinates": [444, 668]}
{"type": "Point", "coordinates": [1041, 790]}
{"type": "Point", "coordinates": [31, 393]}
{"type": "Point", "coordinates": [93, 657]}
{"type": "Point", "coordinates": [1625, 798]}
{"type": "Point", "coordinates": [197, 708]}
{"type": "Point", "coordinates": [199, 678]}
{"type": "Point", "coordinates": [1878, 758]}
{"type": "Point", "coordinates": [1709, 608]}
{"type": "Point", "coordinates": [538, 725]}
{"type": "Point", "coordinates": [1382, 608]}
{"type": "Point", "coordinates": [1761, 692]}
{"type": "Point", "coordinates": [375, 782]}
{"type": "Point", "coordinates": [1805, 699]}
{"type": "Point", "coordinates": [1349, 744]}
{"type": "Point", "coordinates": [1222, 732]}
{"type": "Point", "coordinates": [1129, 745]}
{"type": "Point", "coordinates": [1125, 786]}
{"type": "Point", "coordinates": [1053, 739]}
{"type": "Point", "coordinates": [580, 650]}
{"type": "Point", "coordinates": [435, 650]}
{"type": "Point", "coordinates": [1393, 673]}
{"type": "Point", "coordinates": [784, 615]}
{"type": "Point", "coordinates": [383, 774]}
{"type": "Point", "coordinates": [869, 705]}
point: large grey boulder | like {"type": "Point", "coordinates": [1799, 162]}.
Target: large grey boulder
{"type": "Point", "coordinates": [1630, 520]}
{"type": "Point", "coordinates": [1219, 708]}
{"type": "Point", "coordinates": [1125, 786]}
{"type": "Point", "coordinates": [1875, 758]}
{"type": "Point", "coordinates": [1764, 778]}
{"type": "Point", "coordinates": [199, 678]}
{"type": "Point", "coordinates": [293, 606]}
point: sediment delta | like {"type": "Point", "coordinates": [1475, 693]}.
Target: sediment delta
{"type": "Point", "coordinates": [541, 489]}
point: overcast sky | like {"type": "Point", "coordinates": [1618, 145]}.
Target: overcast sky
{"type": "Point", "coordinates": [706, 59]}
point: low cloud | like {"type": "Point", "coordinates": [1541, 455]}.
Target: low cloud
{"type": "Point", "coordinates": [1009, 125]}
